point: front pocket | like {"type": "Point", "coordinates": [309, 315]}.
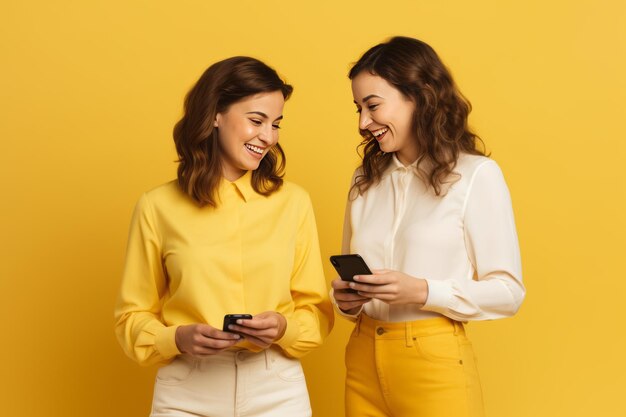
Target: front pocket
{"type": "Point", "coordinates": [177, 372]}
{"type": "Point", "coordinates": [439, 348]}
{"type": "Point", "coordinates": [289, 370]}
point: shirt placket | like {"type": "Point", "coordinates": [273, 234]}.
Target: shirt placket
{"type": "Point", "coordinates": [400, 181]}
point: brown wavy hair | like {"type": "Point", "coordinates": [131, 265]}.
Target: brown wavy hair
{"type": "Point", "coordinates": [440, 118]}
{"type": "Point", "coordinates": [199, 155]}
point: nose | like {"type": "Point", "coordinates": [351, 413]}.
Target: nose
{"type": "Point", "coordinates": [364, 120]}
{"type": "Point", "coordinates": [266, 135]}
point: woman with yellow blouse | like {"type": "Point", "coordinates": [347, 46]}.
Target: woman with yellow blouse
{"type": "Point", "coordinates": [229, 236]}
{"type": "Point", "coordinates": [432, 216]}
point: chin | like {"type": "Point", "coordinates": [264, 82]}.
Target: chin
{"type": "Point", "coordinates": [251, 167]}
{"type": "Point", "coordinates": [387, 148]}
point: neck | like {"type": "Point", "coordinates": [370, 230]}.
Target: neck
{"type": "Point", "coordinates": [407, 157]}
{"type": "Point", "coordinates": [233, 175]}
{"type": "Point", "coordinates": [408, 153]}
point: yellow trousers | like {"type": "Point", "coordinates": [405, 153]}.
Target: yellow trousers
{"type": "Point", "coordinates": [423, 368]}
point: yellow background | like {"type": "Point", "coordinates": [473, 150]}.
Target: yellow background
{"type": "Point", "coordinates": [90, 91]}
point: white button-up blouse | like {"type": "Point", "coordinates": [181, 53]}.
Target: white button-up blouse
{"type": "Point", "coordinates": [463, 243]}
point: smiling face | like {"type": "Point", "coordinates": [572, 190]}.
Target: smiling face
{"type": "Point", "coordinates": [247, 130]}
{"type": "Point", "coordinates": [387, 114]}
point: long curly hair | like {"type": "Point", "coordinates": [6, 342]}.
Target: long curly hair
{"type": "Point", "coordinates": [199, 155]}
{"type": "Point", "coordinates": [440, 118]}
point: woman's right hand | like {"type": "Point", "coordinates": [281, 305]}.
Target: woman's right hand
{"type": "Point", "coordinates": [201, 340]}
{"type": "Point", "coordinates": [347, 300]}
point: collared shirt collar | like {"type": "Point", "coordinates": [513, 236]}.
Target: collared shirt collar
{"type": "Point", "coordinates": [397, 165]}
{"type": "Point", "coordinates": [244, 186]}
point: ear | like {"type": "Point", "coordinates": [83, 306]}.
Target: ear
{"type": "Point", "coordinates": [216, 122]}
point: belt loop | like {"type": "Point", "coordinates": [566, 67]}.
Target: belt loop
{"type": "Point", "coordinates": [458, 327]}
{"type": "Point", "coordinates": [357, 325]}
{"type": "Point", "coordinates": [408, 334]}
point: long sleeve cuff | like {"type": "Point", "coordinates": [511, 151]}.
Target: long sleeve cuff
{"type": "Point", "coordinates": [292, 331]}
{"type": "Point", "coordinates": [165, 342]}
{"type": "Point", "coordinates": [440, 294]}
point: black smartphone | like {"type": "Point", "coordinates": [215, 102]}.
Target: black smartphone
{"type": "Point", "coordinates": [347, 266]}
{"type": "Point", "coordinates": [232, 319]}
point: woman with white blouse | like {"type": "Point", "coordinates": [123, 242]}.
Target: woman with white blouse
{"type": "Point", "coordinates": [432, 216]}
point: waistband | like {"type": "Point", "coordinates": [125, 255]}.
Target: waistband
{"type": "Point", "coordinates": [407, 330]}
{"type": "Point", "coordinates": [240, 357]}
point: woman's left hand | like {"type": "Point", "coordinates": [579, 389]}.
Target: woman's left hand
{"type": "Point", "coordinates": [392, 287]}
{"type": "Point", "coordinates": [263, 329]}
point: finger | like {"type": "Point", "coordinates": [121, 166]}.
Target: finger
{"type": "Point", "coordinates": [369, 295]}
{"type": "Point", "coordinates": [366, 288]}
{"type": "Point", "coordinates": [383, 289]}
{"type": "Point", "coordinates": [379, 295]}
{"type": "Point", "coordinates": [259, 322]}
{"type": "Point", "coordinates": [350, 306]}
{"type": "Point", "coordinates": [345, 296]}
{"type": "Point", "coordinates": [370, 279]}
{"type": "Point", "coordinates": [388, 298]}
{"type": "Point", "coordinates": [343, 292]}
{"type": "Point", "coordinates": [268, 334]}
{"type": "Point", "coordinates": [242, 330]}
{"type": "Point", "coordinates": [213, 333]}
{"type": "Point", "coordinates": [221, 335]}
{"type": "Point", "coordinates": [339, 284]}
{"type": "Point", "coordinates": [210, 343]}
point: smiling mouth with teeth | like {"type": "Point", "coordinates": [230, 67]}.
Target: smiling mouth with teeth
{"type": "Point", "coordinates": [254, 149]}
{"type": "Point", "coordinates": [378, 134]}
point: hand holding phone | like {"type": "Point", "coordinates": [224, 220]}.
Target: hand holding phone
{"type": "Point", "coordinates": [391, 287]}
{"type": "Point", "coordinates": [201, 339]}
{"type": "Point", "coordinates": [262, 330]}
{"type": "Point", "coordinates": [232, 319]}
{"type": "Point", "coordinates": [347, 266]}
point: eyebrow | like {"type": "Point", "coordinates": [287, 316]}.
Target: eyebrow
{"type": "Point", "coordinates": [368, 97]}
{"type": "Point", "coordinates": [260, 113]}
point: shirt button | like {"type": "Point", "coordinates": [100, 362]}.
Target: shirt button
{"type": "Point", "coordinates": [380, 331]}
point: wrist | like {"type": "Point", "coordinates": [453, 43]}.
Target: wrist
{"type": "Point", "coordinates": [422, 291]}
{"type": "Point", "coordinates": [282, 326]}
{"type": "Point", "coordinates": [177, 339]}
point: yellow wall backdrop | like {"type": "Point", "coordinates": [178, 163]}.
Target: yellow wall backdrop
{"type": "Point", "coordinates": [90, 91]}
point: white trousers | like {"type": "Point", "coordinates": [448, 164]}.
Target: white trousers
{"type": "Point", "coordinates": [232, 384]}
